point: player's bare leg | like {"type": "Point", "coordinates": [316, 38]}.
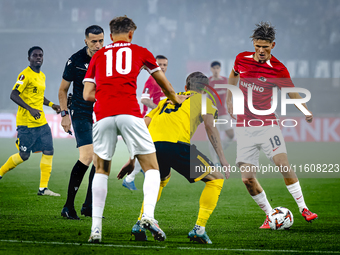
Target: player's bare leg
{"type": "Point", "coordinates": [99, 192]}
{"type": "Point", "coordinates": [151, 184]}
{"type": "Point", "coordinates": [254, 188]}
{"type": "Point", "coordinates": [208, 201]}
{"type": "Point", "coordinates": [293, 186]}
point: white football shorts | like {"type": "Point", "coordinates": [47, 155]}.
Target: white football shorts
{"type": "Point", "coordinates": [133, 131]}
{"type": "Point", "coordinates": [250, 140]}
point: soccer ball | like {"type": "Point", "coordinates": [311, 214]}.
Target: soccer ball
{"type": "Point", "coordinates": [280, 218]}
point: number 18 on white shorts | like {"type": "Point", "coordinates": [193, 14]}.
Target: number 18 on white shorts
{"type": "Point", "coordinates": [250, 140]}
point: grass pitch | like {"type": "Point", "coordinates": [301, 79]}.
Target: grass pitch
{"type": "Point", "coordinates": [32, 224]}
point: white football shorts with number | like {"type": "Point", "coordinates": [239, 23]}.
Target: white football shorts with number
{"type": "Point", "coordinates": [250, 140]}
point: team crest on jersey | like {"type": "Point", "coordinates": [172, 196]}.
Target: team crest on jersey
{"type": "Point", "coordinates": [262, 79]}
{"type": "Point", "coordinates": [22, 77]}
{"type": "Point", "coordinates": [69, 62]}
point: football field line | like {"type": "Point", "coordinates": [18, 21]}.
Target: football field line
{"type": "Point", "coordinates": [170, 248]}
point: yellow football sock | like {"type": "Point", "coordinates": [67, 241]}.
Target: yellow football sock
{"type": "Point", "coordinates": [161, 186]}
{"type": "Point", "coordinates": [208, 200]}
{"type": "Point", "coordinates": [45, 170]}
{"type": "Point", "coordinates": [11, 163]}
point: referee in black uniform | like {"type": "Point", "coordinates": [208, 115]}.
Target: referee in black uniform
{"type": "Point", "coordinates": [81, 115]}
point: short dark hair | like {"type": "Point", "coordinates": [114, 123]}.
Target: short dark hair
{"type": "Point", "coordinates": [215, 63]}
{"type": "Point", "coordinates": [196, 81]}
{"type": "Point", "coordinates": [161, 57]}
{"type": "Point", "coordinates": [34, 48]}
{"type": "Point", "coordinates": [122, 24]}
{"type": "Point", "coordinates": [264, 31]}
{"type": "Point", "coordinates": [94, 29]}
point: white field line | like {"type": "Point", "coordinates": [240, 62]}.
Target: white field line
{"type": "Point", "coordinates": [163, 247]}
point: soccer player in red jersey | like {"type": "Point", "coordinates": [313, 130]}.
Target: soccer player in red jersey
{"type": "Point", "coordinates": [261, 71]}
{"type": "Point", "coordinates": [226, 131]}
{"type": "Point", "coordinates": [151, 96]}
{"type": "Point", "coordinates": [152, 93]}
{"type": "Point", "coordinates": [110, 82]}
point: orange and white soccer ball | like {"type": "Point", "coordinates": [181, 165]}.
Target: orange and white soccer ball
{"type": "Point", "coordinates": [280, 218]}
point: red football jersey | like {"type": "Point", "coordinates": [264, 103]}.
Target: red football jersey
{"type": "Point", "coordinates": [222, 109]}
{"type": "Point", "coordinates": [261, 77]}
{"type": "Point", "coordinates": [114, 70]}
{"type": "Point", "coordinates": [152, 91]}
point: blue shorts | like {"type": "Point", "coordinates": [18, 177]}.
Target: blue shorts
{"type": "Point", "coordinates": [34, 139]}
{"type": "Point", "coordinates": [82, 126]}
{"type": "Point", "coordinates": [183, 158]}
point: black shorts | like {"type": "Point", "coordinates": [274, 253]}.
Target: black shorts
{"type": "Point", "coordinates": [82, 126]}
{"type": "Point", "coordinates": [183, 158]}
{"type": "Point", "coordinates": [34, 139]}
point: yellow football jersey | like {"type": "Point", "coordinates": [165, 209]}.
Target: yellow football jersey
{"type": "Point", "coordinates": [31, 86]}
{"type": "Point", "coordinates": [173, 123]}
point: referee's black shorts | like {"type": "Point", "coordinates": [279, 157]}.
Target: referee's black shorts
{"type": "Point", "coordinates": [184, 158]}
{"type": "Point", "coordinates": [82, 125]}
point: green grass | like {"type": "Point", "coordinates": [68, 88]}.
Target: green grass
{"type": "Point", "coordinates": [26, 217]}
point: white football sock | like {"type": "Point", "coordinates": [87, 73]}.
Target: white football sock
{"type": "Point", "coordinates": [150, 188]}
{"type": "Point", "coordinates": [131, 177]}
{"type": "Point", "coordinates": [262, 201]}
{"type": "Point", "coordinates": [99, 192]}
{"type": "Point", "coordinates": [295, 190]}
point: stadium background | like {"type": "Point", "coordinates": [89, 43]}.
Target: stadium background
{"type": "Point", "coordinates": [191, 33]}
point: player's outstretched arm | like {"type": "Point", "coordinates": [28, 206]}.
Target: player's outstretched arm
{"type": "Point", "coordinates": [166, 86]}
{"type": "Point", "coordinates": [18, 100]}
{"type": "Point", "coordinates": [295, 95]}
{"type": "Point", "coordinates": [233, 80]}
{"type": "Point", "coordinates": [89, 92]}
{"type": "Point", "coordinates": [148, 102]}
{"type": "Point", "coordinates": [214, 137]}
{"type": "Point", "coordinates": [126, 169]}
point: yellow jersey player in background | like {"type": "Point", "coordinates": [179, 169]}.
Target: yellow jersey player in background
{"type": "Point", "coordinates": [171, 128]}
{"type": "Point", "coordinates": [34, 134]}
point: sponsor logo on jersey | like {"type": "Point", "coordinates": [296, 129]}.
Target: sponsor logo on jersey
{"type": "Point", "coordinates": [252, 86]}
{"type": "Point", "coordinates": [86, 65]}
{"type": "Point", "coordinates": [35, 90]}
{"type": "Point", "coordinates": [262, 79]}
{"type": "Point", "coordinates": [22, 77]}
{"type": "Point", "coordinates": [69, 62]}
